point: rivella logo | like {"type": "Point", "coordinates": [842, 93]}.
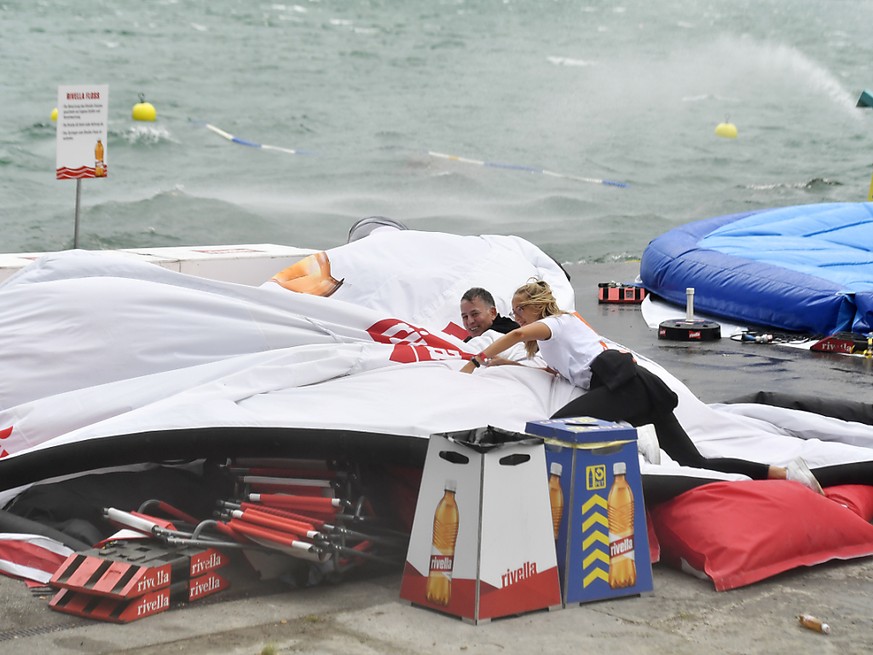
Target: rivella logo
{"type": "Point", "coordinates": [203, 586]}
{"type": "Point", "coordinates": [202, 564]}
{"type": "Point", "coordinates": [153, 604]}
{"type": "Point", "coordinates": [514, 576]}
{"type": "Point", "coordinates": [622, 546]}
{"type": "Point", "coordinates": [411, 343]}
{"type": "Point", "coordinates": [5, 434]}
{"type": "Point", "coordinates": [160, 578]}
{"type": "Point", "coordinates": [442, 563]}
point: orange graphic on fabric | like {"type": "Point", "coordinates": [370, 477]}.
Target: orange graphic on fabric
{"type": "Point", "coordinates": [310, 275]}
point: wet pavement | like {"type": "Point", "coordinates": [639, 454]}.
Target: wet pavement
{"type": "Point", "coordinates": [724, 369]}
{"type": "Point", "coordinates": [364, 614]}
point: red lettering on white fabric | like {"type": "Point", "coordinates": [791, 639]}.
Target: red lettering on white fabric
{"type": "Point", "coordinates": [5, 433]}
{"type": "Point", "coordinates": [407, 354]}
{"type": "Point", "coordinates": [412, 344]}
{"type": "Point", "coordinates": [456, 331]}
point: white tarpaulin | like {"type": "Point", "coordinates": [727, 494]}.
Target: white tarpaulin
{"type": "Point", "coordinates": [100, 346]}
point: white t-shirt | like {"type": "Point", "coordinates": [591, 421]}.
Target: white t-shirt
{"type": "Point", "coordinates": [571, 348]}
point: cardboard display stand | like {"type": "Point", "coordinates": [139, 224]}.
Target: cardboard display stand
{"type": "Point", "coordinates": [491, 484]}
{"type": "Point", "coordinates": [602, 552]}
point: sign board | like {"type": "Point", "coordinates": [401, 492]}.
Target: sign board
{"type": "Point", "coordinates": [81, 131]}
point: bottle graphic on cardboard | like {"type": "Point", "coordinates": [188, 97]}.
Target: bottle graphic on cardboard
{"type": "Point", "coordinates": [620, 503]}
{"type": "Point", "coordinates": [442, 556]}
{"type": "Point", "coordinates": [556, 496]}
{"type": "Point", "coordinates": [99, 168]}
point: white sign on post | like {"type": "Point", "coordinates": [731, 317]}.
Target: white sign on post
{"type": "Point", "coordinates": [81, 131]}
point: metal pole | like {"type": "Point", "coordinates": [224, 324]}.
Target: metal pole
{"type": "Point", "coordinates": [689, 304]}
{"type": "Point", "coordinates": [76, 228]}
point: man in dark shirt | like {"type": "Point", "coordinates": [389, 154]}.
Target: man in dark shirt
{"type": "Point", "coordinates": [478, 313]}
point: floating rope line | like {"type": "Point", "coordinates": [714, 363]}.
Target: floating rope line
{"type": "Point", "coordinates": [252, 144]}
{"type": "Point", "coordinates": [529, 169]}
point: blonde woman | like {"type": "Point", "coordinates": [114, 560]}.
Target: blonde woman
{"type": "Point", "coordinates": [616, 388]}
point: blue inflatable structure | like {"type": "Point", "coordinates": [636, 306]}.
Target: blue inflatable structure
{"type": "Point", "coordinates": [804, 268]}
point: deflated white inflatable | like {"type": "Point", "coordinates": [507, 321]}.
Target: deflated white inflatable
{"type": "Point", "coordinates": [98, 344]}
{"type": "Point", "coordinates": [97, 348]}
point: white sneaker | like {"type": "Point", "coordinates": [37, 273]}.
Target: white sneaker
{"type": "Point", "coordinates": [798, 471]}
{"type": "Point", "coordinates": [647, 443]}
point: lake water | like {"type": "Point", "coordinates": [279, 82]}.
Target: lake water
{"type": "Point", "coordinates": [629, 92]}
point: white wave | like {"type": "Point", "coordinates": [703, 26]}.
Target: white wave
{"type": "Point", "coordinates": [147, 134]}
{"type": "Point", "coordinates": [568, 61]}
{"type": "Point", "coordinates": [708, 96]}
{"type": "Point", "coordinates": [816, 181]}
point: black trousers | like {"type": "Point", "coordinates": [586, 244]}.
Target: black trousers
{"type": "Point", "coordinates": [641, 398]}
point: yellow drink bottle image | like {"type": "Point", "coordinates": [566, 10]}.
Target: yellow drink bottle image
{"type": "Point", "coordinates": [620, 504]}
{"type": "Point", "coordinates": [556, 496]}
{"type": "Point", "coordinates": [99, 169]}
{"type": "Point", "coordinates": [442, 556]}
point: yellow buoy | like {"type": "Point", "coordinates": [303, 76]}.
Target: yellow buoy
{"type": "Point", "coordinates": [726, 130]}
{"type": "Point", "coordinates": [54, 114]}
{"type": "Point", "coordinates": [144, 111]}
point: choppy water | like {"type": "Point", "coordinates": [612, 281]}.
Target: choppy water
{"type": "Point", "coordinates": [625, 91]}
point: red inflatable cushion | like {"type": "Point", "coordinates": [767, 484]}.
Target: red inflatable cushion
{"type": "Point", "coordinates": [856, 497]}
{"type": "Point", "coordinates": [738, 533]}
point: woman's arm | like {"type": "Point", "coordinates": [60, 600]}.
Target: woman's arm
{"type": "Point", "coordinates": [536, 331]}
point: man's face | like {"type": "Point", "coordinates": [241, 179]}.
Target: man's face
{"type": "Point", "coordinates": [477, 316]}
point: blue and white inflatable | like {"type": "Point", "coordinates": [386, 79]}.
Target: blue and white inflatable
{"type": "Point", "coordinates": [805, 268]}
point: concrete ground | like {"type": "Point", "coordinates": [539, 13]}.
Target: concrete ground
{"type": "Point", "coordinates": [364, 614]}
